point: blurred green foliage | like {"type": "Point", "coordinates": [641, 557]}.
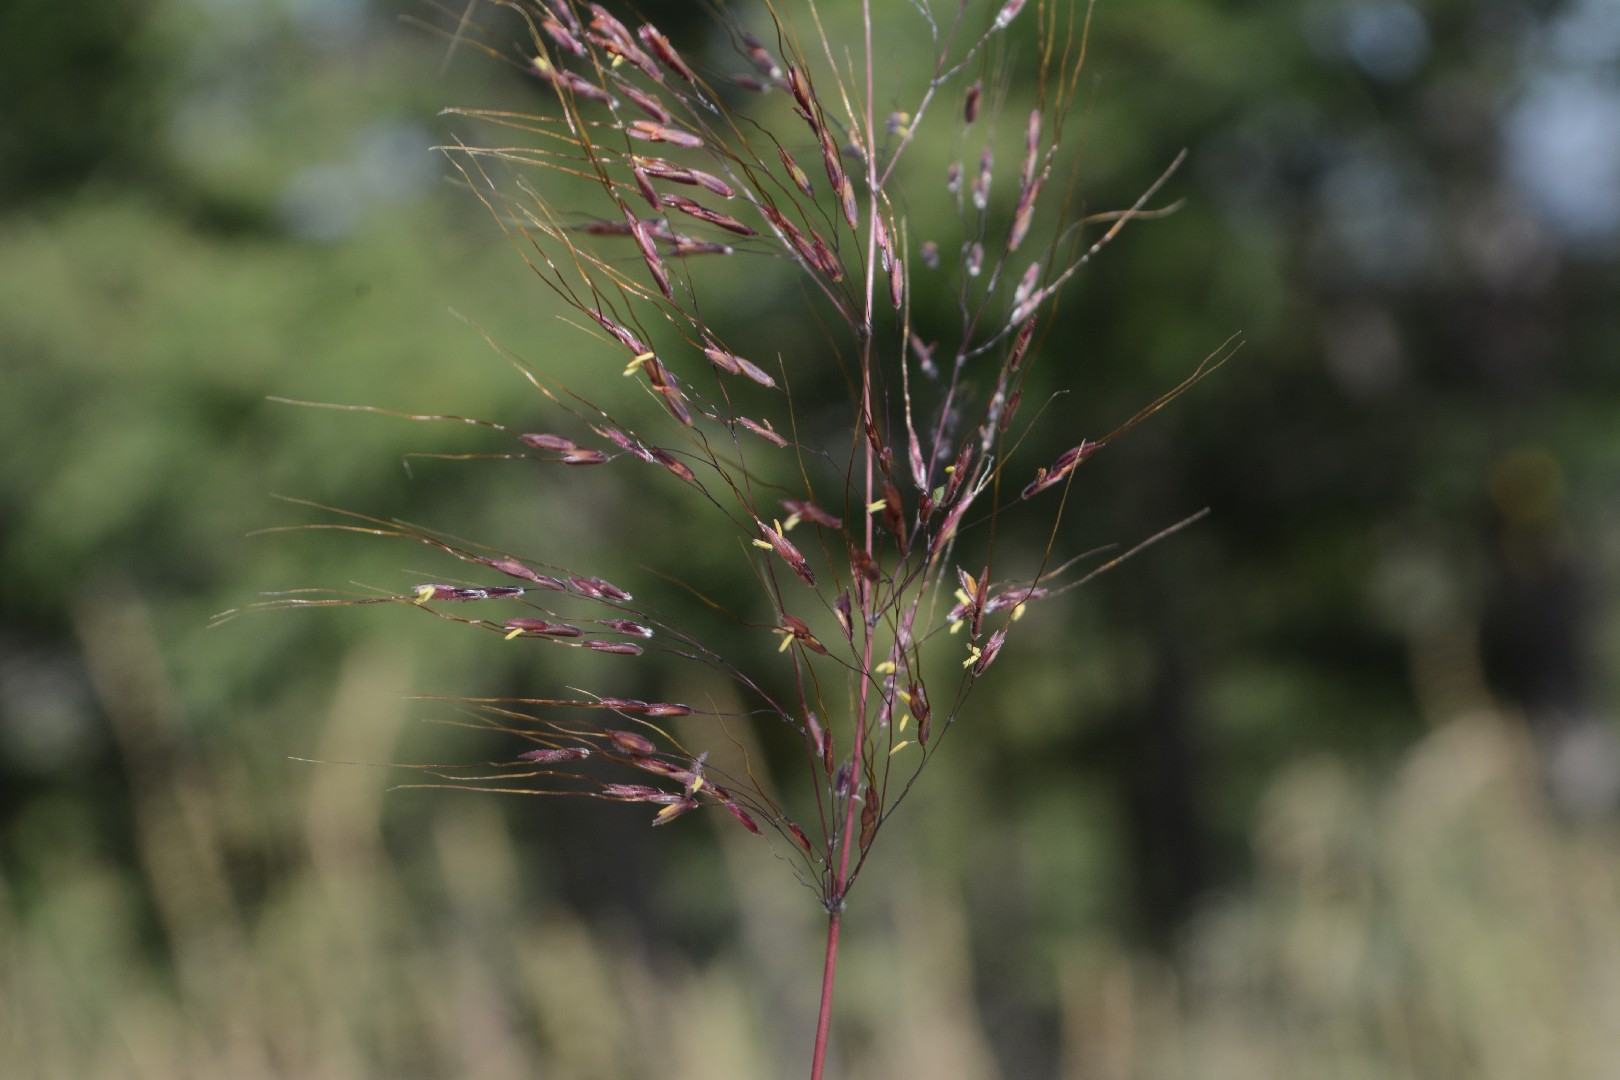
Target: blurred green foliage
{"type": "Point", "coordinates": [1410, 466]}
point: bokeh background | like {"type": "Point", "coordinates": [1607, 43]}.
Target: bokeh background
{"type": "Point", "coordinates": [1324, 786]}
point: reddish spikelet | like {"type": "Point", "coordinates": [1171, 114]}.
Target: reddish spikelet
{"type": "Point", "coordinates": [645, 187]}
{"type": "Point", "coordinates": [584, 457]}
{"type": "Point", "coordinates": [763, 429]}
{"type": "Point", "coordinates": [542, 628]}
{"type": "Point", "coordinates": [674, 400]}
{"type": "Point", "coordinates": [885, 246]}
{"type": "Point", "coordinates": [597, 589]}
{"type": "Point", "coordinates": [953, 178]}
{"type": "Point", "coordinates": [823, 259]}
{"type": "Point", "coordinates": [649, 253]}
{"type": "Point", "coordinates": [970, 102]}
{"type": "Point", "coordinates": [732, 364]}
{"type": "Point", "coordinates": [897, 283]}
{"type": "Point", "coordinates": [930, 255]}
{"type": "Point", "coordinates": [625, 626]}
{"type": "Point", "coordinates": [620, 334]}
{"type": "Point", "coordinates": [661, 709]}
{"type": "Point", "coordinates": [542, 441]}
{"type": "Point", "coordinates": [1004, 421]}
{"type": "Point", "coordinates": [741, 815]}
{"type": "Point", "coordinates": [846, 195]}
{"type": "Point", "coordinates": [981, 182]}
{"type": "Point", "coordinates": [636, 793]}
{"type": "Point", "coordinates": [1063, 466]}
{"type": "Point", "coordinates": [560, 34]}
{"type": "Point", "coordinates": [800, 631]}
{"type": "Point", "coordinates": [623, 705]}
{"type": "Point", "coordinates": [622, 648]}
{"type": "Point", "coordinates": [894, 516]}
{"type": "Point", "coordinates": [862, 565]}
{"type": "Point", "coordinates": [703, 213]}
{"type": "Point", "coordinates": [676, 466]}
{"type": "Point", "coordinates": [789, 554]}
{"type": "Point", "coordinates": [798, 835]}
{"type": "Point", "coordinates": [1020, 345]}
{"type": "Point", "coordinates": [749, 83]}
{"type": "Point", "coordinates": [921, 711]}
{"type": "Point", "coordinates": [512, 567]}
{"type": "Point", "coordinates": [975, 258]}
{"type": "Point", "coordinates": [809, 511]}
{"type": "Point", "coordinates": [568, 82]}
{"type": "Point", "coordinates": [829, 159]}
{"type": "Point", "coordinates": [645, 102]}
{"type": "Point", "coordinates": [674, 810]}
{"type": "Point", "coordinates": [685, 245]}
{"type": "Point", "coordinates": [1009, 11]}
{"type": "Point", "coordinates": [552, 757]}
{"type": "Point", "coordinates": [992, 649]}
{"type": "Point", "coordinates": [624, 442]}
{"type": "Point", "coordinates": [914, 457]}
{"type": "Point", "coordinates": [1026, 285]}
{"type": "Point", "coordinates": [654, 132]}
{"type": "Point", "coordinates": [660, 47]}
{"type": "Point", "coordinates": [799, 87]}
{"type": "Point", "coordinates": [680, 174]}
{"type": "Point", "coordinates": [462, 594]}
{"type": "Point", "coordinates": [613, 36]}
{"type": "Point", "coordinates": [1023, 214]}
{"type": "Point", "coordinates": [761, 57]}
{"type": "Point", "coordinates": [796, 174]}
{"type": "Point", "coordinates": [841, 608]}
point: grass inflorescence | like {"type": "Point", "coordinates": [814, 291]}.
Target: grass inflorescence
{"type": "Point", "coordinates": [873, 539]}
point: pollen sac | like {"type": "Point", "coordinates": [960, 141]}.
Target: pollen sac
{"type": "Point", "coordinates": [631, 742]}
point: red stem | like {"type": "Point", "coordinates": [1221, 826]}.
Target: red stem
{"type": "Point", "coordinates": [824, 1020]}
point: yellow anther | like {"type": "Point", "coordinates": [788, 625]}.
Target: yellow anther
{"type": "Point", "coordinates": [876, 505]}
{"type": "Point", "coordinates": [787, 639]}
{"type": "Point", "coordinates": [974, 652]}
{"type": "Point", "coordinates": [635, 365]}
{"type": "Point", "coordinates": [905, 718]}
{"type": "Point", "coordinates": [766, 544]}
{"type": "Point", "coordinates": [424, 593]}
{"type": "Point", "coordinates": [515, 633]}
{"type": "Point", "coordinates": [956, 625]}
{"type": "Point", "coordinates": [698, 784]}
{"type": "Point", "coordinates": [963, 597]}
{"type": "Point", "coordinates": [899, 746]}
{"type": "Point", "coordinates": [950, 470]}
{"type": "Point", "coordinates": [787, 526]}
{"type": "Point", "coordinates": [885, 668]}
{"type": "Point", "coordinates": [1018, 612]}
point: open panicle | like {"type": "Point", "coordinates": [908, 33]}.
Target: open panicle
{"type": "Point", "coordinates": [869, 517]}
